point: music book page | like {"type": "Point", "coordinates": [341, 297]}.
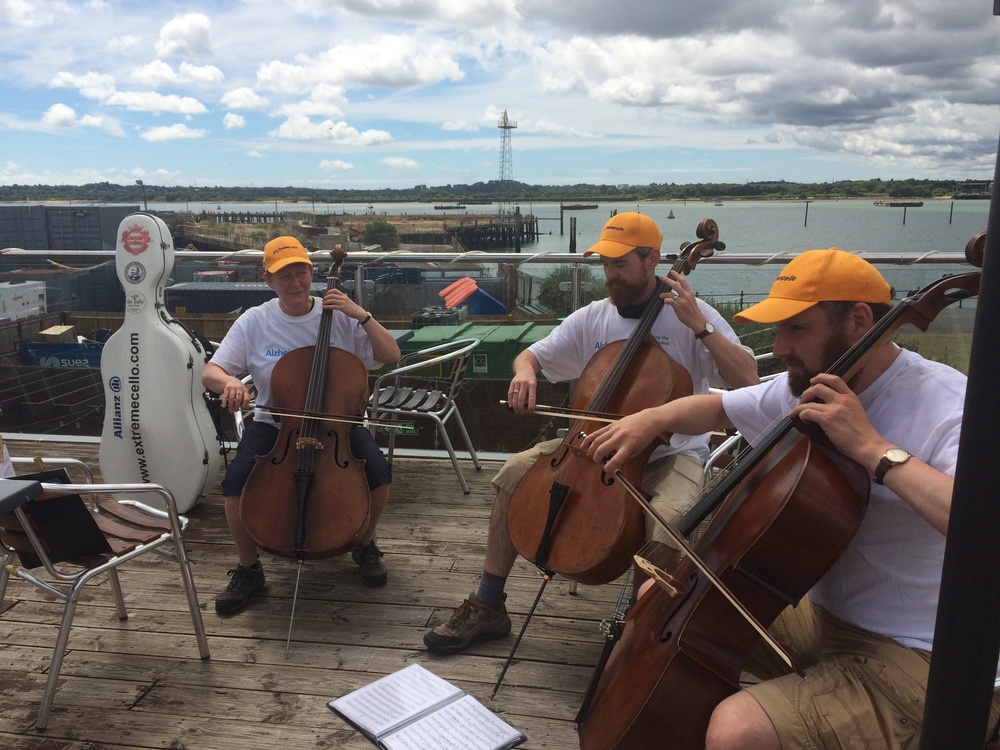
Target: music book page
{"type": "Point", "coordinates": [414, 709]}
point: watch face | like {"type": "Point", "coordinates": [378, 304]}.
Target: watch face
{"type": "Point", "coordinates": [709, 328]}
{"type": "Point", "coordinates": [897, 455]}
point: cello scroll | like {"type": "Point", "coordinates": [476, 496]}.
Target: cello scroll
{"type": "Point", "coordinates": [692, 252]}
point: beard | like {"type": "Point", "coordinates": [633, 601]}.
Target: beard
{"type": "Point", "coordinates": [622, 293]}
{"type": "Point", "coordinates": [834, 348]}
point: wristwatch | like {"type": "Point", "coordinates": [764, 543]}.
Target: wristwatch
{"type": "Point", "coordinates": [892, 457]}
{"type": "Point", "coordinates": [709, 329]}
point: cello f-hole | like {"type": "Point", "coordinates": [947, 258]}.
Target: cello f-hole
{"type": "Point", "coordinates": [558, 460]}
{"type": "Point", "coordinates": [292, 436]}
{"type": "Point", "coordinates": [332, 435]}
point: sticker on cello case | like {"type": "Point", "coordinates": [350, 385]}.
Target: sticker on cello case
{"type": "Point", "coordinates": [136, 239]}
{"type": "Point", "coordinates": [135, 272]}
{"type": "Point", "coordinates": [134, 302]}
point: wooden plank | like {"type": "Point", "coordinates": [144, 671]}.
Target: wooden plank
{"type": "Point", "coordinates": [139, 683]}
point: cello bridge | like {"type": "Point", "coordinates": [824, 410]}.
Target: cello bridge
{"type": "Point", "coordinates": [308, 442]}
{"type": "Point", "coordinates": [663, 579]}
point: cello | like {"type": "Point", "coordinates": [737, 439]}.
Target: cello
{"type": "Point", "coordinates": [567, 516]}
{"type": "Point", "coordinates": [792, 497]}
{"type": "Point", "coordinates": [308, 498]}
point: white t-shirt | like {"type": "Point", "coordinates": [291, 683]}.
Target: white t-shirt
{"type": "Point", "coordinates": [565, 352]}
{"type": "Point", "coordinates": [888, 578]}
{"type": "Point", "coordinates": [264, 334]}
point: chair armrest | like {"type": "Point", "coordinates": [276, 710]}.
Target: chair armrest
{"type": "Point", "coordinates": [57, 463]}
{"type": "Point", "coordinates": [16, 492]}
{"type": "Point", "coordinates": [449, 352]}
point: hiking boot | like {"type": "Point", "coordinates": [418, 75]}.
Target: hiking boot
{"type": "Point", "coordinates": [472, 621]}
{"type": "Point", "coordinates": [243, 582]}
{"type": "Point", "coordinates": [369, 558]}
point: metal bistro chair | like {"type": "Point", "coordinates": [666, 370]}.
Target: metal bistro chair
{"type": "Point", "coordinates": [445, 365]}
{"type": "Point", "coordinates": [45, 524]}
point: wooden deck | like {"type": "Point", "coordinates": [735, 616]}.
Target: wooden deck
{"type": "Point", "coordinates": [140, 683]}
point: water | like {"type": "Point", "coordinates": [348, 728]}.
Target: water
{"type": "Point", "coordinates": [757, 227]}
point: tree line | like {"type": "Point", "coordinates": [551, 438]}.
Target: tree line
{"type": "Point", "coordinates": [496, 191]}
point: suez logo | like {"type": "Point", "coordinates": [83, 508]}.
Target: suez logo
{"type": "Point", "coordinates": [62, 362]}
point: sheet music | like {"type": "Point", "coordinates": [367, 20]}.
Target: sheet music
{"type": "Point", "coordinates": [464, 724]}
{"type": "Point", "coordinates": [396, 698]}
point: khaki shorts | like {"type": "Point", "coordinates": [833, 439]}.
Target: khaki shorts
{"type": "Point", "coordinates": [673, 483]}
{"type": "Point", "coordinates": [861, 690]}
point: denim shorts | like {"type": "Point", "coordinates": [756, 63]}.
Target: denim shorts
{"type": "Point", "coordinates": [258, 439]}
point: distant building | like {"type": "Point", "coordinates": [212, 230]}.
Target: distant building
{"type": "Point", "coordinates": [967, 190]}
{"type": "Point", "coordinates": [68, 227]}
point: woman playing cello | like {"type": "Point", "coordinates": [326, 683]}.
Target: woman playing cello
{"type": "Point", "coordinates": [690, 331]}
{"type": "Point", "coordinates": [864, 633]}
{"type": "Point", "coordinates": [256, 342]}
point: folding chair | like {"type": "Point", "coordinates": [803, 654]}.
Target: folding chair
{"type": "Point", "coordinates": [45, 524]}
{"type": "Point", "coordinates": [445, 365]}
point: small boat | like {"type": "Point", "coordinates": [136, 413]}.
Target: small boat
{"type": "Point", "coordinates": [448, 208]}
{"type": "Point", "coordinates": [671, 214]}
{"type": "Point", "coordinates": [578, 206]}
{"type": "Point", "coordinates": [718, 201]}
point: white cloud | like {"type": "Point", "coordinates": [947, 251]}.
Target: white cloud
{"type": "Point", "coordinates": [301, 128]}
{"type": "Point", "coordinates": [91, 85]}
{"type": "Point", "coordinates": [172, 133]}
{"type": "Point", "coordinates": [243, 98]}
{"type": "Point", "coordinates": [156, 73]}
{"type": "Point", "coordinates": [391, 61]}
{"type": "Point", "coordinates": [123, 44]}
{"type": "Point", "coordinates": [151, 101]}
{"type": "Point", "coordinates": [232, 121]}
{"type": "Point", "coordinates": [185, 36]}
{"type": "Point", "coordinates": [63, 117]}
{"type": "Point", "coordinates": [459, 125]}
{"type": "Point", "coordinates": [399, 162]}
{"type": "Point", "coordinates": [26, 13]}
{"type": "Point", "coordinates": [463, 12]}
{"type": "Point", "coordinates": [59, 116]}
{"type": "Point", "coordinates": [325, 99]}
{"type": "Point", "coordinates": [335, 165]}
{"type": "Point", "coordinates": [284, 77]}
{"type": "Point", "coordinates": [203, 74]}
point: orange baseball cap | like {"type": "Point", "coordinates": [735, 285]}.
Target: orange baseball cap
{"type": "Point", "coordinates": [818, 276]}
{"type": "Point", "coordinates": [283, 251]}
{"type": "Point", "coordinates": [624, 233]}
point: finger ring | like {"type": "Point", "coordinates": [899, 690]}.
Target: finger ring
{"type": "Point", "coordinates": [516, 392]}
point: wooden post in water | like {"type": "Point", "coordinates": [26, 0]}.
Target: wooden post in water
{"type": "Point", "coordinates": [572, 234]}
{"type": "Point", "coordinates": [951, 212]}
{"type": "Point", "coordinates": [904, 216]}
{"type": "Point", "coordinates": [517, 229]}
{"type": "Point", "coordinates": [806, 222]}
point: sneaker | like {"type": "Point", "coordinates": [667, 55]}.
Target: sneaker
{"type": "Point", "coordinates": [369, 558]}
{"type": "Point", "coordinates": [472, 621]}
{"type": "Point", "coordinates": [243, 582]}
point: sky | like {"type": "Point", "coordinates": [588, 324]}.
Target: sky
{"type": "Point", "coordinates": [359, 94]}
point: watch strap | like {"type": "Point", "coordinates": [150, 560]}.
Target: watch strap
{"type": "Point", "coordinates": [884, 465]}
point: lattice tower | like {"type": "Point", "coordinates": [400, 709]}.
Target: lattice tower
{"type": "Point", "coordinates": [505, 207]}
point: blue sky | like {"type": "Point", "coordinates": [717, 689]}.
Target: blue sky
{"type": "Point", "coordinates": [396, 93]}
